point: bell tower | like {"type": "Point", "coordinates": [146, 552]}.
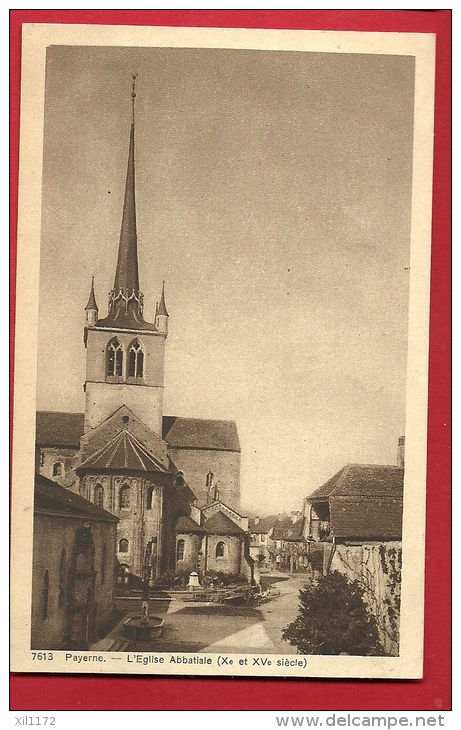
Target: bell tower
{"type": "Point", "coordinates": [125, 354]}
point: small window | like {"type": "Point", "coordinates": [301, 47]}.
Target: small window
{"type": "Point", "coordinates": [57, 469]}
{"type": "Point", "coordinates": [135, 360]}
{"type": "Point", "coordinates": [45, 594]}
{"type": "Point", "coordinates": [99, 495]}
{"type": "Point", "coordinates": [220, 550]}
{"type": "Point", "coordinates": [62, 578]}
{"type": "Point", "coordinates": [180, 550]}
{"type": "Point", "coordinates": [150, 494]}
{"type": "Point", "coordinates": [123, 546]}
{"type": "Point", "coordinates": [42, 458]}
{"type": "Point", "coordinates": [125, 497]}
{"type": "Point", "coordinates": [114, 359]}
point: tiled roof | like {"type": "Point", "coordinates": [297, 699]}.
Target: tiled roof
{"type": "Point", "coordinates": [220, 524]}
{"type": "Point", "coordinates": [187, 524]}
{"type": "Point", "coordinates": [196, 433]}
{"type": "Point", "coordinates": [263, 526]}
{"type": "Point", "coordinates": [54, 428]}
{"type": "Point", "coordinates": [50, 498]}
{"type": "Point", "coordinates": [369, 518]}
{"type": "Point", "coordinates": [123, 452]}
{"type": "Point", "coordinates": [365, 501]}
{"type": "Point", "coordinates": [286, 530]}
{"type": "Point", "coordinates": [362, 480]}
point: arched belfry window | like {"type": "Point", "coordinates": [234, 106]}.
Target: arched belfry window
{"type": "Point", "coordinates": [220, 550]}
{"type": "Point", "coordinates": [135, 360]}
{"type": "Point", "coordinates": [114, 359]}
{"type": "Point", "coordinates": [123, 546]}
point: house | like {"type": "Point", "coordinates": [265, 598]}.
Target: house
{"type": "Point", "coordinates": [353, 524]}
{"type": "Point", "coordinates": [289, 544]}
{"type": "Point", "coordinates": [74, 568]}
{"type": "Point", "coordinates": [362, 502]}
{"type": "Point", "coordinates": [260, 530]}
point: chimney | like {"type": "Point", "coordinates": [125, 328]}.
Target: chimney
{"type": "Point", "coordinates": [256, 520]}
{"type": "Point", "coordinates": [401, 452]}
{"type": "Point", "coordinates": [294, 517]}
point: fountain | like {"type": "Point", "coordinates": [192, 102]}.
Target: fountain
{"type": "Point", "coordinates": [143, 627]}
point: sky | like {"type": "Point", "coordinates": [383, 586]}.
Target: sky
{"type": "Point", "coordinates": [273, 195]}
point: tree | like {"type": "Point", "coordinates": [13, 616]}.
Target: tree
{"type": "Point", "coordinates": [333, 619]}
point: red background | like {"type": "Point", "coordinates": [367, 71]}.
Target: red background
{"type": "Point", "coordinates": [433, 692]}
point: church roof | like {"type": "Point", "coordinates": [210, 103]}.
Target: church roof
{"type": "Point", "coordinates": [220, 524]}
{"type": "Point", "coordinates": [59, 429]}
{"type": "Point", "coordinates": [187, 524]}
{"type": "Point", "coordinates": [125, 320]}
{"type": "Point", "coordinates": [123, 452]}
{"type": "Point", "coordinates": [197, 433]}
{"type": "Point", "coordinates": [50, 498]}
{"type": "Point", "coordinates": [56, 428]}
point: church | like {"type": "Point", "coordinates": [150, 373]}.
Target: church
{"type": "Point", "coordinates": [172, 482]}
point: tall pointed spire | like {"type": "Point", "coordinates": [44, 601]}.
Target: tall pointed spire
{"type": "Point", "coordinates": [126, 298]}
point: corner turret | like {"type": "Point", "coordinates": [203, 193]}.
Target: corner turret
{"type": "Point", "coordinates": [91, 308]}
{"type": "Point", "coordinates": [161, 314]}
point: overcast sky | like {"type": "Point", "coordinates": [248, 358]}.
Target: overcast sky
{"type": "Point", "coordinates": [273, 196]}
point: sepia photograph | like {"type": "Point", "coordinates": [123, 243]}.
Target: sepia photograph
{"type": "Point", "coordinates": [223, 294]}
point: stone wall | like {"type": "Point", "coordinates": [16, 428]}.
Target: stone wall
{"type": "Point", "coordinates": [377, 567]}
{"type": "Point", "coordinates": [54, 544]}
{"type": "Point", "coordinates": [225, 465]}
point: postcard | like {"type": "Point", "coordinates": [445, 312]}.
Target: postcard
{"type": "Point", "coordinates": [221, 347]}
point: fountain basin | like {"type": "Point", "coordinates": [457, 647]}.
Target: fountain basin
{"type": "Point", "coordinates": [143, 629]}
